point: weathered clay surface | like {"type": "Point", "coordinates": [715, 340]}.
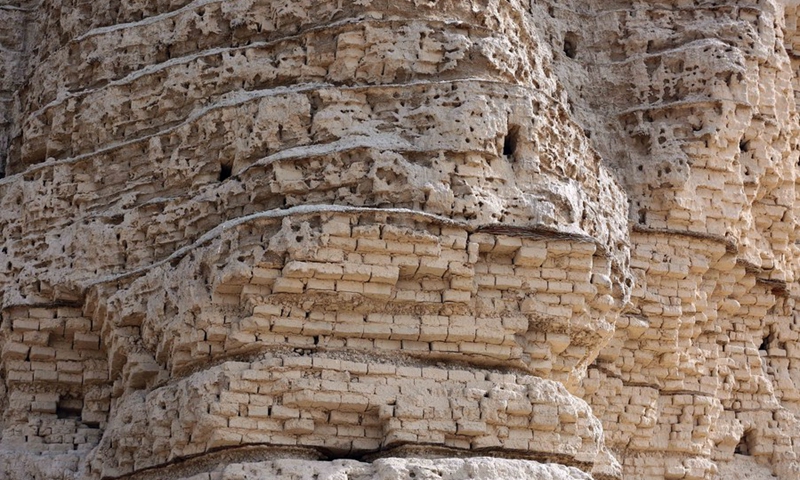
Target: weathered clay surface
{"type": "Point", "coordinates": [394, 469]}
{"type": "Point", "coordinates": [452, 239]}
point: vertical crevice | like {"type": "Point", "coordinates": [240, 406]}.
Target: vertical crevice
{"type": "Point", "coordinates": [225, 171]}
{"type": "Point", "coordinates": [743, 447]}
{"type": "Point", "coordinates": [570, 44]}
{"type": "Point", "coordinates": [765, 343]}
{"type": "Point", "coordinates": [510, 141]}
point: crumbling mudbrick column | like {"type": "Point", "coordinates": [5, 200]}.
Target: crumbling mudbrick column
{"type": "Point", "coordinates": [406, 239]}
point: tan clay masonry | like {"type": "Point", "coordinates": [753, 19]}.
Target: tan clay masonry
{"type": "Point", "coordinates": [406, 239]}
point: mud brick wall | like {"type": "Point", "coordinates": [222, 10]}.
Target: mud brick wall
{"type": "Point", "coordinates": [438, 239]}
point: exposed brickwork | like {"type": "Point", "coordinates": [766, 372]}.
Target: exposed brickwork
{"type": "Point", "coordinates": [246, 238]}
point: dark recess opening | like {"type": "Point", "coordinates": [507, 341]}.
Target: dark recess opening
{"type": "Point", "coordinates": [225, 172]}
{"type": "Point", "coordinates": [743, 448]}
{"type": "Point", "coordinates": [69, 409]}
{"type": "Point", "coordinates": [764, 344]}
{"type": "Point", "coordinates": [744, 146]}
{"type": "Point", "coordinates": [510, 142]}
{"type": "Point", "coordinates": [570, 45]}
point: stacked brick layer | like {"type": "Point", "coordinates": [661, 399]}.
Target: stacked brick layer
{"type": "Point", "coordinates": [700, 379]}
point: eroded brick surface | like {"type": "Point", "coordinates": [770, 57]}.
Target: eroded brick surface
{"type": "Point", "coordinates": [242, 239]}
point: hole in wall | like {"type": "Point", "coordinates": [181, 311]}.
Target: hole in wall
{"type": "Point", "coordinates": [511, 141]}
{"type": "Point", "coordinates": [69, 408]}
{"type": "Point", "coordinates": [225, 172]}
{"type": "Point", "coordinates": [642, 216]}
{"type": "Point", "coordinates": [570, 44]}
{"type": "Point", "coordinates": [765, 342]}
{"type": "Point", "coordinates": [743, 447]}
{"type": "Point", "coordinates": [744, 146]}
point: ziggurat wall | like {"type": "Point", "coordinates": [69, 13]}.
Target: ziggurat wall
{"type": "Point", "coordinates": [371, 239]}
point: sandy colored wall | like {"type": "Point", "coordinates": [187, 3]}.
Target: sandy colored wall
{"type": "Point", "coordinates": [421, 239]}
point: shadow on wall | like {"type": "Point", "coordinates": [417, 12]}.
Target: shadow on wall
{"type": "Point", "coordinates": [745, 443]}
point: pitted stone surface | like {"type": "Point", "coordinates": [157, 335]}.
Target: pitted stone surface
{"type": "Point", "coordinates": [510, 239]}
{"type": "Point", "coordinates": [397, 469]}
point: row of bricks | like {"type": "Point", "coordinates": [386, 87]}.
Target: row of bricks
{"type": "Point", "coordinates": [404, 290]}
{"type": "Point", "coordinates": [689, 368]}
{"type": "Point", "coordinates": [193, 350]}
{"type": "Point", "coordinates": [325, 264]}
{"type": "Point", "coordinates": [361, 397]}
{"type": "Point", "coordinates": [459, 262]}
{"type": "Point", "coordinates": [621, 398]}
{"type": "Point", "coordinates": [369, 289]}
{"type": "Point", "coordinates": [525, 440]}
{"type": "Point", "coordinates": [332, 265]}
{"type": "Point", "coordinates": [388, 247]}
{"type": "Point", "coordinates": [387, 272]}
{"type": "Point", "coordinates": [269, 311]}
{"type": "Point", "coordinates": [53, 439]}
{"type": "Point", "coordinates": [699, 220]}
{"type": "Point", "coordinates": [346, 271]}
{"type": "Point", "coordinates": [52, 448]}
{"type": "Point", "coordinates": [34, 350]}
{"type": "Point", "coordinates": [62, 326]}
{"type": "Point", "coordinates": [43, 313]}
{"type": "Point", "coordinates": [518, 412]}
{"type": "Point", "coordinates": [457, 276]}
{"type": "Point", "coordinates": [711, 310]}
{"type": "Point", "coordinates": [548, 304]}
{"type": "Point", "coordinates": [483, 341]}
{"type": "Point", "coordinates": [378, 252]}
{"type": "Point", "coordinates": [461, 434]}
{"type": "Point", "coordinates": [272, 366]}
{"type": "Point", "coordinates": [450, 237]}
{"type": "Point", "coordinates": [68, 362]}
{"type": "Point", "coordinates": [494, 331]}
{"type": "Point", "coordinates": [258, 418]}
{"type": "Point", "coordinates": [89, 377]}
{"type": "Point", "coordinates": [52, 427]}
{"type": "Point", "coordinates": [404, 379]}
